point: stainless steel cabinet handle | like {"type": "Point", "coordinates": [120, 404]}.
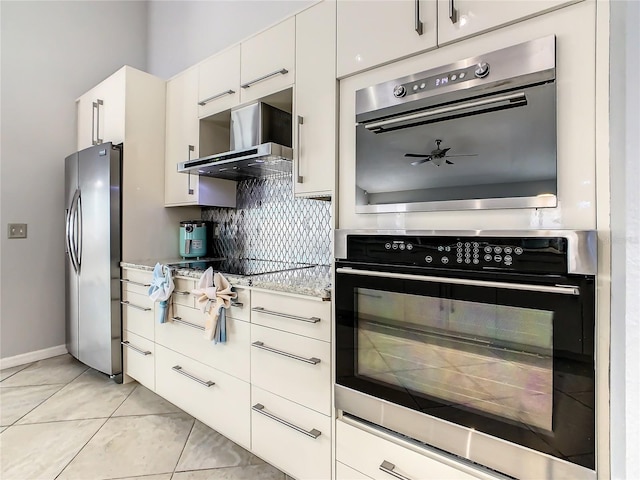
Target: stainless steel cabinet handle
{"type": "Point", "coordinates": [388, 467]}
{"type": "Point", "coordinates": [282, 71]}
{"type": "Point", "coordinates": [189, 189]}
{"type": "Point", "coordinates": [96, 105]}
{"type": "Point", "coordinates": [136, 349]}
{"type": "Point", "coordinates": [313, 433]}
{"type": "Point", "coordinates": [285, 315]}
{"type": "Point", "coordinates": [300, 178]}
{"type": "Point", "coordinates": [188, 324]}
{"type": "Point", "coordinates": [453, 12]}
{"type": "Point", "coordinates": [126, 280]}
{"type": "Point", "coordinates": [213, 97]}
{"type": "Point", "coordinates": [206, 383]}
{"type": "Point", "coordinates": [126, 302]}
{"type": "Point", "coordinates": [419, 24]}
{"type": "Point", "coordinates": [178, 292]}
{"type": "Point", "coordinates": [312, 360]}
{"type": "Point", "coordinates": [563, 290]}
{"type": "Point", "coordinates": [237, 304]}
{"type": "Point", "coordinates": [514, 99]}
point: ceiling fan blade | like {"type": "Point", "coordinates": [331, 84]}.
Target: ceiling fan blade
{"type": "Point", "coordinates": [444, 150]}
{"type": "Point", "coordinates": [417, 155]}
{"type": "Point", "coordinates": [448, 162]}
{"type": "Point", "coordinates": [469, 155]}
{"type": "Point", "coordinates": [420, 162]}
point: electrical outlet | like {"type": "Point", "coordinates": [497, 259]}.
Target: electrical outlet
{"type": "Point", "coordinates": [17, 230]}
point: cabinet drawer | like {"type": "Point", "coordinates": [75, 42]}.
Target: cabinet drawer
{"type": "Point", "coordinates": [136, 281]}
{"type": "Point", "coordinates": [224, 405]}
{"type": "Point", "coordinates": [295, 367]}
{"type": "Point", "coordinates": [241, 306]}
{"type": "Point", "coordinates": [366, 453]}
{"type": "Point", "coordinates": [139, 359]}
{"type": "Point", "coordinates": [344, 472]}
{"type": "Point", "coordinates": [182, 292]}
{"type": "Point", "coordinates": [309, 317]}
{"type": "Point", "coordinates": [231, 357]}
{"type": "Point", "coordinates": [137, 314]}
{"type": "Point", "coordinates": [303, 456]}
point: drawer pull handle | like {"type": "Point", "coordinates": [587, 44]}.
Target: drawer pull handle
{"type": "Point", "coordinates": [178, 292]}
{"type": "Point", "coordinates": [126, 302]}
{"type": "Point", "coordinates": [388, 467]}
{"type": "Point", "coordinates": [285, 315]}
{"type": "Point", "coordinates": [213, 97]}
{"type": "Point", "coordinates": [312, 360]}
{"type": "Point", "coordinates": [136, 349]}
{"type": "Point", "coordinates": [313, 433]}
{"type": "Point", "coordinates": [282, 71]}
{"type": "Point", "coordinates": [206, 383]}
{"type": "Point", "coordinates": [237, 304]}
{"type": "Point", "coordinates": [126, 280]}
{"type": "Point", "coordinates": [188, 324]}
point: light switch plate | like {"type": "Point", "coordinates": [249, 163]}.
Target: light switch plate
{"type": "Point", "coordinates": [17, 230]}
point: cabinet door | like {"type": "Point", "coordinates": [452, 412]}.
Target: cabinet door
{"type": "Point", "coordinates": [182, 144]}
{"type": "Point", "coordinates": [373, 33]}
{"type": "Point", "coordinates": [315, 101]}
{"type": "Point", "coordinates": [267, 61]}
{"type": "Point", "coordinates": [219, 82]}
{"type": "Point", "coordinates": [462, 18]}
{"type": "Point", "coordinates": [111, 112]}
{"type": "Point", "coordinates": [85, 114]}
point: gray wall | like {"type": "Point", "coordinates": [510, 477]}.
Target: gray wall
{"type": "Point", "coordinates": [182, 33]}
{"type": "Point", "coordinates": [51, 52]}
{"type": "Point", "coordinates": [625, 239]}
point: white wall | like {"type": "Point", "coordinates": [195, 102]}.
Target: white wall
{"type": "Point", "coordinates": [51, 53]}
{"type": "Point", "coordinates": [625, 233]}
{"type": "Point", "coordinates": [182, 33]}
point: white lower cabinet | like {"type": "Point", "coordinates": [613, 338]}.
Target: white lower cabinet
{"type": "Point", "coordinates": [215, 398]}
{"type": "Point", "coordinates": [291, 437]}
{"type": "Point", "coordinates": [373, 456]}
{"type": "Point", "coordinates": [139, 359]}
{"type": "Point", "coordinates": [137, 314]}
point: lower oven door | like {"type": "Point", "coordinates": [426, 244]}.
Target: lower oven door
{"type": "Point", "coordinates": [464, 364]}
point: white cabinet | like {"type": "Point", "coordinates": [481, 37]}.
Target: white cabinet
{"type": "Point", "coordinates": [182, 144]}
{"type": "Point", "coordinates": [381, 456]}
{"type": "Point", "coordinates": [462, 18]}
{"type": "Point", "coordinates": [315, 119]}
{"type": "Point", "coordinates": [139, 359]}
{"type": "Point", "coordinates": [219, 82]}
{"type": "Point", "coordinates": [267, 61]}
{"type": "Point", "coordinates": [374, 33]}
{"type": "Point", "coordinates": [101, 112]}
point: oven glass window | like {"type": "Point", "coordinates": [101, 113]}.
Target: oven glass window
{"type": "Point", "coordinates": [496, 360]}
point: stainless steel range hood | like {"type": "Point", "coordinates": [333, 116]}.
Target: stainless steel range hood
{"type": "Point", "coordinates": [261, 142]}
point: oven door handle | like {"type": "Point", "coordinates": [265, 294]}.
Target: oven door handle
{"type": "Point", "coordinates": [512, 100]}
{"type": "Point", "coordinates": [561, 289]}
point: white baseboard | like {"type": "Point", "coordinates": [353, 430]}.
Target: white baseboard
{"type": "Point", "coordinates": [32, 356]}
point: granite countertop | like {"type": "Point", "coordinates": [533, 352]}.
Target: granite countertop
{"type": "Point", "coordinates": [313, 281]}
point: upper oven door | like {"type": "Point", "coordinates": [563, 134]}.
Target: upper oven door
{"type": "Point", "coordinates": [510, 359]}
{"type": "Point", "coordinates": [477, 134]}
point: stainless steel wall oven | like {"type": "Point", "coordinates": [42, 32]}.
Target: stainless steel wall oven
{"type": "Point", "coordinates": [477, 343]}
{"type": "Point", "coordinates": [476, 134]}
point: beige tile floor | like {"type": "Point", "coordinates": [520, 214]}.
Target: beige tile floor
{"type": "Point", "coordinates": [62, 420]}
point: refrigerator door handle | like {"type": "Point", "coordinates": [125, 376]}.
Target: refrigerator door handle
{"type": "Point", "coordinates": [79, 221]}
{"type": "Point", "coordinates": [72, 230]}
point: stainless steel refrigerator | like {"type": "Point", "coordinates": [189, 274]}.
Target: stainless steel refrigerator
{"type": "Point", "coordinates": [93, 251]}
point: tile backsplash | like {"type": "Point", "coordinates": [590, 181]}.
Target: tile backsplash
{"type": "Point", "coordinates": [269, 223]}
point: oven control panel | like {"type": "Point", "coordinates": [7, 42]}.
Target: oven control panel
{"type": "Point", "coordinates": [532, 254]}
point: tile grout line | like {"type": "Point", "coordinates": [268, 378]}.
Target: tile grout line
{"type": "Point", "coordinates": [193, 425]}
{"type": "Point", "coordinates": [15, 423]}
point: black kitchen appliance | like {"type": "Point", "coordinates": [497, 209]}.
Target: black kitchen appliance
{"type": "Point", "coordinates": [478, 343]}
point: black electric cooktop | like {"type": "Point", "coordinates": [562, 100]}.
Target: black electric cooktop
{"type": "Point", "coordinates": [241, 266]}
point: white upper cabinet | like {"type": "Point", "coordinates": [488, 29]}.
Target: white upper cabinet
{"type": "Point", "coordinates": [268, 61]}
{"type": "Point", "coordinates": [219, 82]}
{"type": "Point", "coordinates": [182, 144]}
{"type": "Point", "coordinates": [100, 112]}
{"type": "Point", "coordinates": [462, 18]}
{"type": "Point", "coordinates": [374, 33]}
{"type": "Point", "coordinates": [315, 117]}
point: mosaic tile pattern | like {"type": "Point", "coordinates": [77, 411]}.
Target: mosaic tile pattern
{"type": "Point", "coordinates": [269, 223]}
